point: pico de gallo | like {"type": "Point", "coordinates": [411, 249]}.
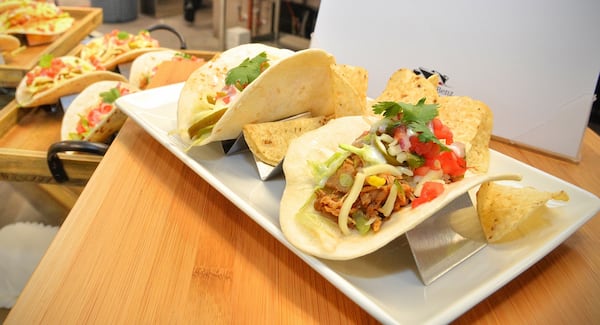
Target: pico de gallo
{"type": "Point", "coordinates": [403, 160]}
{"type": "Point", "coordinates": [103, 107]}
{"type": "Point", "coordinates": [115, 43]}
{"type": "Point", "coordinates": [51, 71]}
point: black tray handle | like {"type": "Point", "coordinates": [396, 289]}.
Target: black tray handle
{"type": "Point", "coordinates": [182, 43]}
{"type": "Point", "coordinates": [55, 164]}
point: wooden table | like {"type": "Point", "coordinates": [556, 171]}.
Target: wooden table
{"type": "Point", "coordinates": [149, 241]}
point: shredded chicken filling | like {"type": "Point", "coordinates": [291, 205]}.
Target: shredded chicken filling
{"type": "Point", "coordinates": [371, 200]}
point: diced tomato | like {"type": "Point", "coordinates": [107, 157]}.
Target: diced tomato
{"type": "Point", "coordinates": [452, 164]}
{"type": "Point", "coordinates": [80, 128]}
{"type": "Point", "coordinates": [105, 108]}
{"type": "Point", "coordinates": [441, 131]}
{"type": "Point", "coordinates": [430, 191]}
{"type": "Point", "coordinates": [427, 150]}
{"type": "Point", "coordinates": [421, 171]}
{"type": "Point", "coordinates": [94, 116]}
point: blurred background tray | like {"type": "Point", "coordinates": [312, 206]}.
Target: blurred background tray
{"type": "Point", "coordinates": [15, 68]}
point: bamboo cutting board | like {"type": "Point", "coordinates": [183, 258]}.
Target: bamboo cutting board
{"type": "Point", "coordinates": [151, 242]}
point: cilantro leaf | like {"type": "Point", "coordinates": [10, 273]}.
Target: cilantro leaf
{"type": "Point", "coordinates": [110, 96]}
{"type": "Point", "coordinates": [122, 35]}
{"type": "Point", "coordinates": [389, 109]}
{"type": "Point", "coordinates": [46, 60]}
{"type": "Point", "coordinates": [416, 117]}
{"type": "Point", "coordinates": [420, 113]}
{"type": "Point", "coordinates": [242, 75]}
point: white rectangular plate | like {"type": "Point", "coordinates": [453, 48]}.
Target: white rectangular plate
{"type": "Point", "coordinates": [386, 283]}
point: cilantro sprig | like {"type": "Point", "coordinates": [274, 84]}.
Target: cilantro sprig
{"type": "Point", "coordinates": [416, 117]}
{"type": "Point", "coordinates": [110, 96]}
{"type": "Point", "coordinates": [242, 75]}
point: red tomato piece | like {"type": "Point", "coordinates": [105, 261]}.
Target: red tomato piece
{"type": "Point", "coordinates": [441, 131]}
{"type": "Point", "coordinates": [427, 150]}
{"type": "Point", "coordinates": [452, 164]}
{"type": "Point", "coordinates": [430, 191]}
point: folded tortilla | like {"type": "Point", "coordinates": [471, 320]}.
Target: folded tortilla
{"type": "Point", "coordinates": [59, 87]}
{"type": "Point", "coordinates": [88, 100]}
{"type": "Point", "coordinates": [297, 83]}
{"type": "Point", "coordinates": [319, 236]}
{"type": "Point", "coordinates": [118, 47]}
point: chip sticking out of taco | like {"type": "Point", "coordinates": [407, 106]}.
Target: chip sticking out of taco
{"type": "Point", "coordinates": [470, 119]}
{"type": "Point", "coordinates": [118, 47]}
{"type": "Point", "coordinates": [93, 116]}
{"type": "Point", "coordinates": [357, 183]}
{"type": "Point", "coordinates": [55, 77]}
{"type": "Point", "coordinates": [177, 67]}
{"type": "Point", "coordinates": [235, 89]}
{"type": "Point", "coordinates": [269, 141]}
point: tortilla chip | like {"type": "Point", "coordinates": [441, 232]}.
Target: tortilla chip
{"type": "Point", "coordinates": [502, 209]}
{"type": "Point", "coordinates": [406, 86]}
{"type": "Point", "coordinates": [269, 141]}
{"type": "Point", "coordinates": [471, 122]}
{"type": "Point", "coordinates": [350, 85]}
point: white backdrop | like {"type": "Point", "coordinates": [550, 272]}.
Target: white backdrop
{"type": "Point", "coordinates": [534, 62]}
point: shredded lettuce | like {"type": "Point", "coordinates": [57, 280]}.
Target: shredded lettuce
{"type": "Point", "coordinates": [321, 171]}
{"type": "Point", "coordinates": [367, 153]}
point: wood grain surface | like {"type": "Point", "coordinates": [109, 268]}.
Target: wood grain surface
{"type": "Point", "coordinates": [149, 241]}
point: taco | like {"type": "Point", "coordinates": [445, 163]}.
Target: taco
{"type": "Point", "coordinates": [55, 77]}
{"type": "Point", "coordinates": [34, 18]}
{"type": "Point", "coordinates": [357, 183]}
{"type": "Point", "coordinates": [118, 47]}
{"type": "Point", "coordinates": [234, 90]}
{"type": "Point", "coordinates": [177, 69]}
{"type": "Point", "coordinates": [93, 116]}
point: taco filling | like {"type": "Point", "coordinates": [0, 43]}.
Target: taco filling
{"type": "Point", "coordinates": [103, 108]}
{"type": "Point", "coordinates": [215, 104]}
{"type": "Point", "coordinates": [54, 70]}
{"type": "Point", "coordinates": [116, 43]}
{"type": "Point", "coordinates": [404, 159]}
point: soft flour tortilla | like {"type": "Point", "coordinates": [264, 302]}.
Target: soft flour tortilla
{"type": "Point", "coordinates": [65, 87]}
{"type": "Point", "coordinates": [210, 78]}
{"type": "Point", "coordinates": [327, 241]}
{"type": "Point", "coordinates": [88, 100]}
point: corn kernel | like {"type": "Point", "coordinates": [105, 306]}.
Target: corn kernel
{"type": "Point", "coordinates": [375, 180]}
